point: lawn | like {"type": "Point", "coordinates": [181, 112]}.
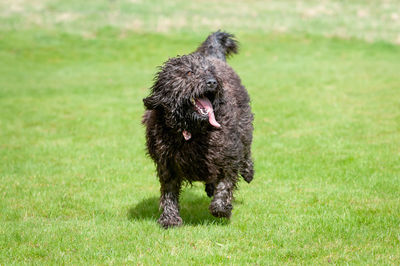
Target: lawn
{"type": "Point", "coordinates": [77, 187]}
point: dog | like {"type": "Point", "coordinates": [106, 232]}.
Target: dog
{"type": "Point", "coordinates": [199, 127]}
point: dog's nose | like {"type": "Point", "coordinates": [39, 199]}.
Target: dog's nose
{"type": "Point", "coordinates": [211, 83]}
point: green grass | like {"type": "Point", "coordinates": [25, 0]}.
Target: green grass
{"type": "Point", "coordinates": [77, 188]}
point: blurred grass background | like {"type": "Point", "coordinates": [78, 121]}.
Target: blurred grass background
{"type": "Point", "coordinates": [77, 188]}
{"type": "Point", "coordinates": [371, 20]}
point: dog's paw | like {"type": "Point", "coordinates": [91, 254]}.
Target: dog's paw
{"type": "Point", "coordinates": [167, 221]}
{"type": "Point", "coordinates": [220, 210]}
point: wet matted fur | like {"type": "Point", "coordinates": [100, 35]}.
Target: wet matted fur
{"type": "Point", "coordinates": [199, 127]}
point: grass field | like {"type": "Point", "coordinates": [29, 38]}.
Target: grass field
{"type": "Point", "coordinates": [77, 188]}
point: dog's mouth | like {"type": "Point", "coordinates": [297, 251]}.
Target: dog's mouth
{"type": "Point", "coordinates": [204, 107]}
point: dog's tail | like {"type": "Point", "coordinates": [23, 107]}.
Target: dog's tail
{"type": "Point", "coordinates": [220, 45]}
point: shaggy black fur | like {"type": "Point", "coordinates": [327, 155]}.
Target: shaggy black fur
{"type": "Point", "coordinates": [199, 127]}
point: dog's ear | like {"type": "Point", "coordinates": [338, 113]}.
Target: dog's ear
{"type": "Point", "coordinates": [151, 102]}
{"type": "Point", "coordinates": [156, 97]}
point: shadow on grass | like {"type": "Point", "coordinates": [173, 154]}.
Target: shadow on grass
{"type": "Point", "coordinates": [193, 210]}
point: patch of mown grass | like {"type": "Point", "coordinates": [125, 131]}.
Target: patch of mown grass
{"type": "Point", "coordinates": [77, 187]}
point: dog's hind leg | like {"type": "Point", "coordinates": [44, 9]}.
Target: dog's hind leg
{"type": "Point", "coordinates": [221, 205]}
{"type": "Point", "coordinates": [246, 166]}
{"type": "Point", "coordinates": [169, 200]}
{"type": "Point", "coordinates": [247, 170]}
{"type": "Point", "coordinates": [209, 190]}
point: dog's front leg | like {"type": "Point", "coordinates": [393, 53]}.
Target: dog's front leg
{"type": "Point", "coordinates": [169, 200]}
{"type": "Point", "coordinates": [221, 205]}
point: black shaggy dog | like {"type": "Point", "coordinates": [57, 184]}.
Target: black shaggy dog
{"type": "Point", "coordinates": [199, 127]}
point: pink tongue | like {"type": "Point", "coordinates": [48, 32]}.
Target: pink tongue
{"type": "Point", "coordinates": [205, 102]}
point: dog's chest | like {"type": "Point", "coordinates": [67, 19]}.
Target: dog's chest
{"type": "Point", "coordinates": [193, 162]}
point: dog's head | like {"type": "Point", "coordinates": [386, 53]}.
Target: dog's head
{"type": "Point", "coordinates": [188, 92]}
